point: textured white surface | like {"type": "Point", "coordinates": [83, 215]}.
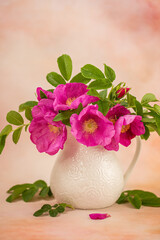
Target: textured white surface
{"type": "Point", "coordinates": [86, 177]}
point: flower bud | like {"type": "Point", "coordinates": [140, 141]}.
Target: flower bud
{"type": "Point", "coordinates": [121, 92]}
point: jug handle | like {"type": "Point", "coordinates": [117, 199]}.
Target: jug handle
{"type": "Point", "coordinates": [134, 160]}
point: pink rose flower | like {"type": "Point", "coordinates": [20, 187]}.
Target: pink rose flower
{"type": "Point", "coordinates": [99, 216]}
{"type": "Point", "coordinates": [47, 93]}
{"type": "Point", "coordinates": [126, 126]}
{"type": "Point", "coordinates": [91, 128]}
{"type": "Point", "coordinates": [70, 95]}
{"type": "Point", "coordinates": [48, 136]}
{"type": "Point", "coordinates": [121, 92]}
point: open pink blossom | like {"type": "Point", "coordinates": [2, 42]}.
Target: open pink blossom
{"type": "Point", "coordinates": [99, 216]}
{"type": "Point", "coordinates": [91, 128]}
{"type": "Point", "coordinates": [126, 126]}
{"type": "Point", "coordinates": [70, 95]}
{"type": "Point", "coordinates": [48, 94]}
{"type": "Point", "coordinates": [122, 91]}
{"type": "Point", "coordinates": [48, 136]}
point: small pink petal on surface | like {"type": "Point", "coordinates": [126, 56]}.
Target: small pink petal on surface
{"type": "Point", "coordinates": [99, 216]}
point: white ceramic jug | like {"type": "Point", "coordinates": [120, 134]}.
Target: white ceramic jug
{"type": "Point", "coordinates": [88, 177]}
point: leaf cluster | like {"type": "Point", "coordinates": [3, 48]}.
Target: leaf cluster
{"type": "Point", "coordinates": [27, 191]}
{"type": "Point", "coordinates": [16, 119]}
{"type": "Point", "coordinates": [53, 211]}
{"type": "Point", "coordinates": [138, 198]}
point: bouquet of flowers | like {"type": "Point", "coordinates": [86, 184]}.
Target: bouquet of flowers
{"type": "Point", "coordinates": [96, 111]}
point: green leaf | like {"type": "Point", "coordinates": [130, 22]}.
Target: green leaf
{"type": "Point", "coordinates": [29, 104]}
{"type": "Point", "coordinates": [148, 120]}
{"type": "Point", "coordinates": [55, 205]}
{"type": "Point", "coordinates": [28, 114]}
{"type": "Point", "coordinates": [9, 199]}
{"type": "Point", "coordinates": [2, 142]}
{"type": "Point", "coordinates": [93, 92]}
{"type": "Point", "coordinates": [157, 108]}
{"type": "Point", "coordinates": [66, 205]}
{"type": "Point", "coordinates": [26, 127]}
{"type": "Point", "coordinates": [38, 213]}
{"type": "Point", "coordinates": [135, 201]}
{"type": "Point", "coordinates": [123, 198]}
{"type": "Point", "coordinates": [6, 130]}
{"type": "Point", "coordinates": [50, 194]}
{"type": "Point", "coordinates": [103, 106]}
{"type": "Point", "coordinates": [63, 115]}
{"type": "Point", "coordinates": [92, 72]}
{"type": "Point", "coordinates": [146, 134]}
{"type": "Point", "coordinates": [3, 135]}
{"type": "Point", "coordinates": [139, 109]}
{"type": "Point", "coordinates": [50, 90]}
{"type": "Point", "coordinates": [131, 100]}
{"type": "Point", "coordinates": [151, 202]}
{"type": "Point", "coordinates": [65, 66]}
{"type": "Point", "coordinates": [69, 206]}
{"type": "Point", "coordinates": [158, 125]}
{"type": "Point", "coordinates": [110, 73]}
{"type": "Point", "coordinates": [53, 212]}
{"type": "Point", "coordinates": [46, 207]}
{"type": "Point", "coordinates": [27, 195]}
{"type": "Point", "coordinates": [80, 78]}
{"type": "Point", "coordinates": [15, 118]}
{"type": "Point", "coordinates": [60, 209]}
{"type": "Point", "coordinates": [79, 109]}
{"type": "Point", "coordinates": [16, 134]}
{"type": "Point", "coordinates": [42, 95]}
{"type": "Point", "coordinates": [103, 94]}
{"type": "Point", "coordinates": [100, 84]}
{"type": "Point", "coordinates": [20, 187]}
{"type": "Point", "coordinates": [66, 122]}
{"type": "Point", "coordinates": [148, 97]}
{"type": "Point", "coordinates": [151, 127]}
{"type": "Point", "coordinates": [12, 197]}
{"type": "Point", "coordinates": [40, 183]}
{"type": "Point", "coordinates": [55, 79]}
{"type": "Point", "coordinates": [142, 194]}
{"type": "Point", "coordinates": [44, 192]}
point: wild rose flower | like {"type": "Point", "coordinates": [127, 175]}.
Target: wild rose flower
{"type": "Point", "coordinates": [91, 128]}
{"type": "Point", "coordinates": [126, 127]}
{"type": "Point", "coordinates": [47, 93]}
{"type": "Point", "coordinates": [99, 216]}
{"type": "Point", "coordinates": [70, 95]}
{"type": "Point", "coordinates": [48, 136]}
{"type": "Point", "coordinates": [121, 92]}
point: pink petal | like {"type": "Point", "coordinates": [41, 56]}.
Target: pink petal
{"type": "Point", "coordinates": [99, 216]}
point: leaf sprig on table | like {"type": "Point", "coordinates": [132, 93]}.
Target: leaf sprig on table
{"type": "Point", "coordinates": [27, 191]}
{"type": "Point", "coordinates": [138, 198]}
{"type": "Point", "coordinates": [52, 210]}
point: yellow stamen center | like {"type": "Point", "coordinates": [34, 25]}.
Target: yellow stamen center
{"type": "Point", "coordinates": [125, 128]}
{"type": "Point", "coordinates": [54, 129]}
{"type": "Point", "coordinates": [70, 100]}
{"type": "Point", "coordinates": [90, 126]}
{"type": "Point", "coordinates": [113, 120]}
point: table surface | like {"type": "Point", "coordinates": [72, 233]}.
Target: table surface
{"type": "Point", "coordinates": [17, 222]}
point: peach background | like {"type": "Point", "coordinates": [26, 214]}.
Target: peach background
{"type": "Point", "coordinates": [33, 33]}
